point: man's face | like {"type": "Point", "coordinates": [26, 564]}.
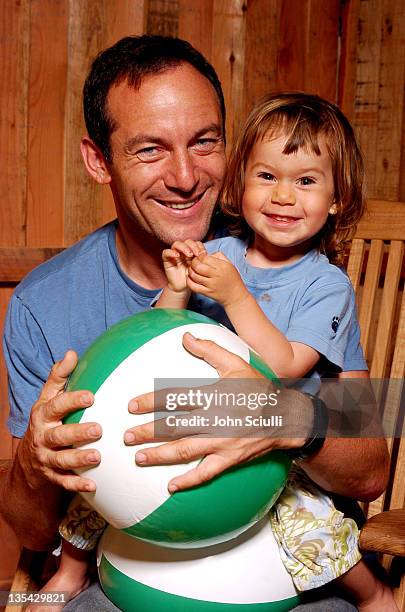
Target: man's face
{"type": "Point", "coordinates": [168, 154]}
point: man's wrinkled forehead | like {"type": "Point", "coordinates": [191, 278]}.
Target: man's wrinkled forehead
{"type": "Point", "coordinates": [158, 89]}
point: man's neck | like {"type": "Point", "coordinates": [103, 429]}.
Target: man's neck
{"type": "Point", "coordinates": [140, 258]}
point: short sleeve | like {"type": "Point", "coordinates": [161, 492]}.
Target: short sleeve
{"type": "Point", "coordinates": [322, 319]}
{"type": "Point", "coordinates": [28, 359]}
{"type": "Point", "coordinates": [354, 357]}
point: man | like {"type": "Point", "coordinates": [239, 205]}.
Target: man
{"type": "Point", "coordinates": [155, 117]}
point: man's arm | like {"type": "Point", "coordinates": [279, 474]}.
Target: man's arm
{"type": "Point", "coordinates": [353, 467]}
{"type": "Point", "coordinates": [369, 456]}
{"type": "Point", "coordinates": [31, 492]}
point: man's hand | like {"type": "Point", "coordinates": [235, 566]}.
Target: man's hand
{"type": "Point", "coordinates": [219, 453]}
{"type": "Point", "coordinates": [44, 453]}
{"type": "Point", "coordinates": [217, 278]}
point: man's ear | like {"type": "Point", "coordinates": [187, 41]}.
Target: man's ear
{"type": "Point", "coordinates": [94, 161]}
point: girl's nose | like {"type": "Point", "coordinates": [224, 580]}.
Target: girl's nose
{"type": "Point", "coordinates": [283, 194]}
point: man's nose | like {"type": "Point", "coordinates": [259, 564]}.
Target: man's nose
{"type": "Point", "coordinates": [181, 173]}
{"type": "Point", "coordinates": [283, 194]}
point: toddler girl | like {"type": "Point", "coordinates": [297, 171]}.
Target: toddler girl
{"type": "Point", "coordinates": [294, 191]}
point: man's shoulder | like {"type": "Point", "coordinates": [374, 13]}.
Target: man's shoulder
{"type": "Point", "coordinates": [75, 259]}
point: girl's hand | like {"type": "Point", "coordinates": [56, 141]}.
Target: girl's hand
{"type": "Point", "coordinates": [216, 277]}
{"type": "Point", "coordinates": [177, 260]}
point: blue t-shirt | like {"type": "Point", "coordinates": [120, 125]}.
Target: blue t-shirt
{"type": "Point", "coordinates": [310, 301]}
{"type": "Point", "coordinates": [67, 302]}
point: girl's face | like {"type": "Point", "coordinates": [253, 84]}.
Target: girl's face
{"type": "Point", "coordinates": [287, 198]}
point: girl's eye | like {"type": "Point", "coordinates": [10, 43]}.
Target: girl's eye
{"type": "Point", "coordinates": [306, 180]}
{"type": "Point", "coordinates": [267, 176]}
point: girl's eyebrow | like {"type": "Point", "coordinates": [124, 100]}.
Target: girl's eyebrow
{"type": "Point", "coordinates": [302, 170]}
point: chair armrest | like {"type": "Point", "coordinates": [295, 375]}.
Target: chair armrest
{"type": "Point", "coordinates": [385, 533]}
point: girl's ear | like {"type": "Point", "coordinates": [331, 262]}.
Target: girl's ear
{"type": "Point", "coordinates": [333, 209]}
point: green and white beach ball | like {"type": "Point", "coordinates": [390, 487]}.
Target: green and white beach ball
{"type": "Point", "coordinates": [242, 575]}
{"type": "Point", "coordinates": [123, 363]}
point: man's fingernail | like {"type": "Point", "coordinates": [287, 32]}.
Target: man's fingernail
{"type": "Point", "coordinates": [133, 406]}
{"type": "Point", "coordinates": [90, 487]}
{"type": "Point", "coordinates": [86, 398]}
{"type": "Point", "coordinates": [129, 437]}
{"type": "Point", "coordinates": [140, 458]}
{"type": "Point", "coordinates": [94, 432]}
{"type": "Point", "coordinates": [173, 488]}
{"type": "Point", "coordinates": [93, 458]}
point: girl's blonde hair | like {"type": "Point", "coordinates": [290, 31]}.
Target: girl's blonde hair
{"type": "Point", "coordinates": [302, 118]}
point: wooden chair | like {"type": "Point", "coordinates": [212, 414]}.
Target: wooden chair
{"type": "Point", "coordinates": [376, 268]}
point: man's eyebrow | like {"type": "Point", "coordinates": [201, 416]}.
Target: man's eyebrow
{"type": "Point", "coordinates": [140, 139]}
{"type": "Point", "coordinates": [212, 127]}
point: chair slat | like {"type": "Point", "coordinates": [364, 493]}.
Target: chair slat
{"type": "Point", "coordinates": [369, 291]}
{"type": "Point", "coordinates": [383, 337]}
{"type": "Point", "coordinates": [355, 263]}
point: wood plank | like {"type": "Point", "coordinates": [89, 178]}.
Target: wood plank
{"type": "Point", "coordinates": [369, 291]}
{"type": "Point", "coordinates": [14, 41]}
{"type": "Point", "coordinates": [385, 323]}
{"type": "Point", "coordinates": [262, 33]}
{"type": "Point", "coordinates": [347, 75]}
{"type": "Point", "coordinates": [195, 24]}
{"type": "Point", "coordinates": [321, 53]}
{"type": "Point", "coordinates": [17, 262]}
{"type": "Point", "coordinates": [308, 47]}
{"type": "Point", "coordinates": [385, 533]}
{"type": "Point", "coordinates": [83, 196]}
{"type": "Point", "coordinates": [292, 41]}
{"type": "Point", "coordinates": [355, 263]}
{"type": "Point", "coordinates": [367, 31]}
{"type": "Point", "coordinates": [47, 93]}
{"type": "Point", "coordinates": [163, 17]}
{"type": "Point", "coordinates": [398, 491]}
{"type": "Point", "coordinates": [398, 360]}
{"type": "Point", "coordinates": [130, 20]}
{"type": "Point", "coordinates": [391, 101]}
{"type": "Point", "coordinates": [228, 57]}
{"type": "Point", "coordinates": [377, 223]}
{"type": "Point", "coordinates": [392, 406]}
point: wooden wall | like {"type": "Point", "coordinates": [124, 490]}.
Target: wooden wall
{"type": "Point", "coordinates": [349, 51]}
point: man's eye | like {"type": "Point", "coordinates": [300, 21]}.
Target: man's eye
{"type": "Point", "coordinates": [306, 180]}
{"type": "Point", "coordinates": [148, 153]}
{"type": "Point", "coordinates": [206, 145]}
{"type": "Point", "coordinates": [267, 176]}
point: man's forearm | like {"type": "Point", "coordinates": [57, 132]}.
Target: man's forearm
{"type": "Point", "coordinates": [33, 514]}
{"type": "Point", "coordinates": [353, 467]}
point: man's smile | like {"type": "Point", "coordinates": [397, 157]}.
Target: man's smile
{"type": "Point", "coordinates": [181, 204]}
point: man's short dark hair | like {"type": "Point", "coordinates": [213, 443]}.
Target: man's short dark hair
{"type": "Point", "coordinates": [131, 59]}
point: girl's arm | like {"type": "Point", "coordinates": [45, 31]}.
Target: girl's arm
{"type": "Point", "coordinates": [216, 277]}
{"type": "Point", "coordinates": [176, 262]}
